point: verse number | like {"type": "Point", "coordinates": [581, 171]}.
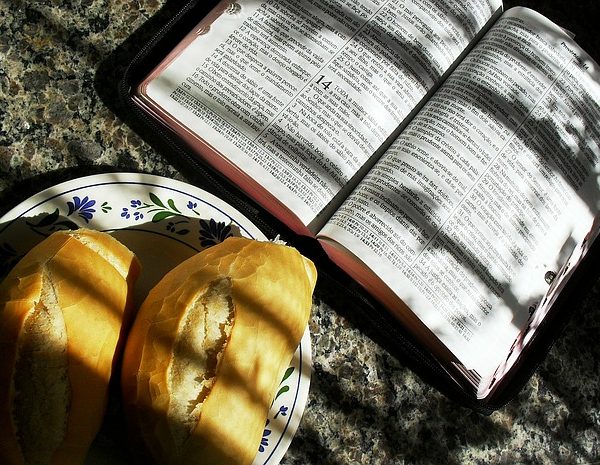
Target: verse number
{"type": "Point", "coordinates": [321, 81]}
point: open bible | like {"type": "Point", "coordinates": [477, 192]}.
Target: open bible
{"type": "Point", "coordinates": [445, 154]}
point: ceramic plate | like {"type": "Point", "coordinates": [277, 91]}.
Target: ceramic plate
{"type": "Point", "coordinates": [163, 221]}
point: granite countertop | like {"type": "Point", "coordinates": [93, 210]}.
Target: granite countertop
{"type": "Point", "coordinates": [364, 406]}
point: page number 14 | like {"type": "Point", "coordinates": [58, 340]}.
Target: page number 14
{"type": "Point", "coordinates": [325, 84]}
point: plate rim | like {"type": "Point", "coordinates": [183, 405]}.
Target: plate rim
{"type": "Point", "coordinates": [143, 179]}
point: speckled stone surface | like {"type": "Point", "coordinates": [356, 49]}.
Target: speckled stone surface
{"type": "Point", "coordinates": [365, 406]}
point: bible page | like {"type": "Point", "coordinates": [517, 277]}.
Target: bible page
{"type": "Point", "coordinates": [299, 94]}
{"type": "Point", "coordinates": [485, 194]}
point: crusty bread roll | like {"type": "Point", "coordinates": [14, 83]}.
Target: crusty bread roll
{"type": "Point", "coordinates": [62, 314]}
{"type": "Point", "coordinates": [209, 347]}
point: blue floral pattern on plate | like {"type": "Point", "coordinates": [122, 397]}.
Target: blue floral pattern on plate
{"type": "Point", "coordinates": [209, 231]}
{"type": "Point", "coordinates": [83, 207]}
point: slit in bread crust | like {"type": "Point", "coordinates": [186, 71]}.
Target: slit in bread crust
{"type": "Point", "coordinates": [204, 332]}
{"type": "Point", "coordinates": [42, 390]}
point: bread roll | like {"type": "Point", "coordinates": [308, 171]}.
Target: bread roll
{"type": "Point", "coordinates": [62, 310]}
{"type": "Point", "coordinates": [209, 347]}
